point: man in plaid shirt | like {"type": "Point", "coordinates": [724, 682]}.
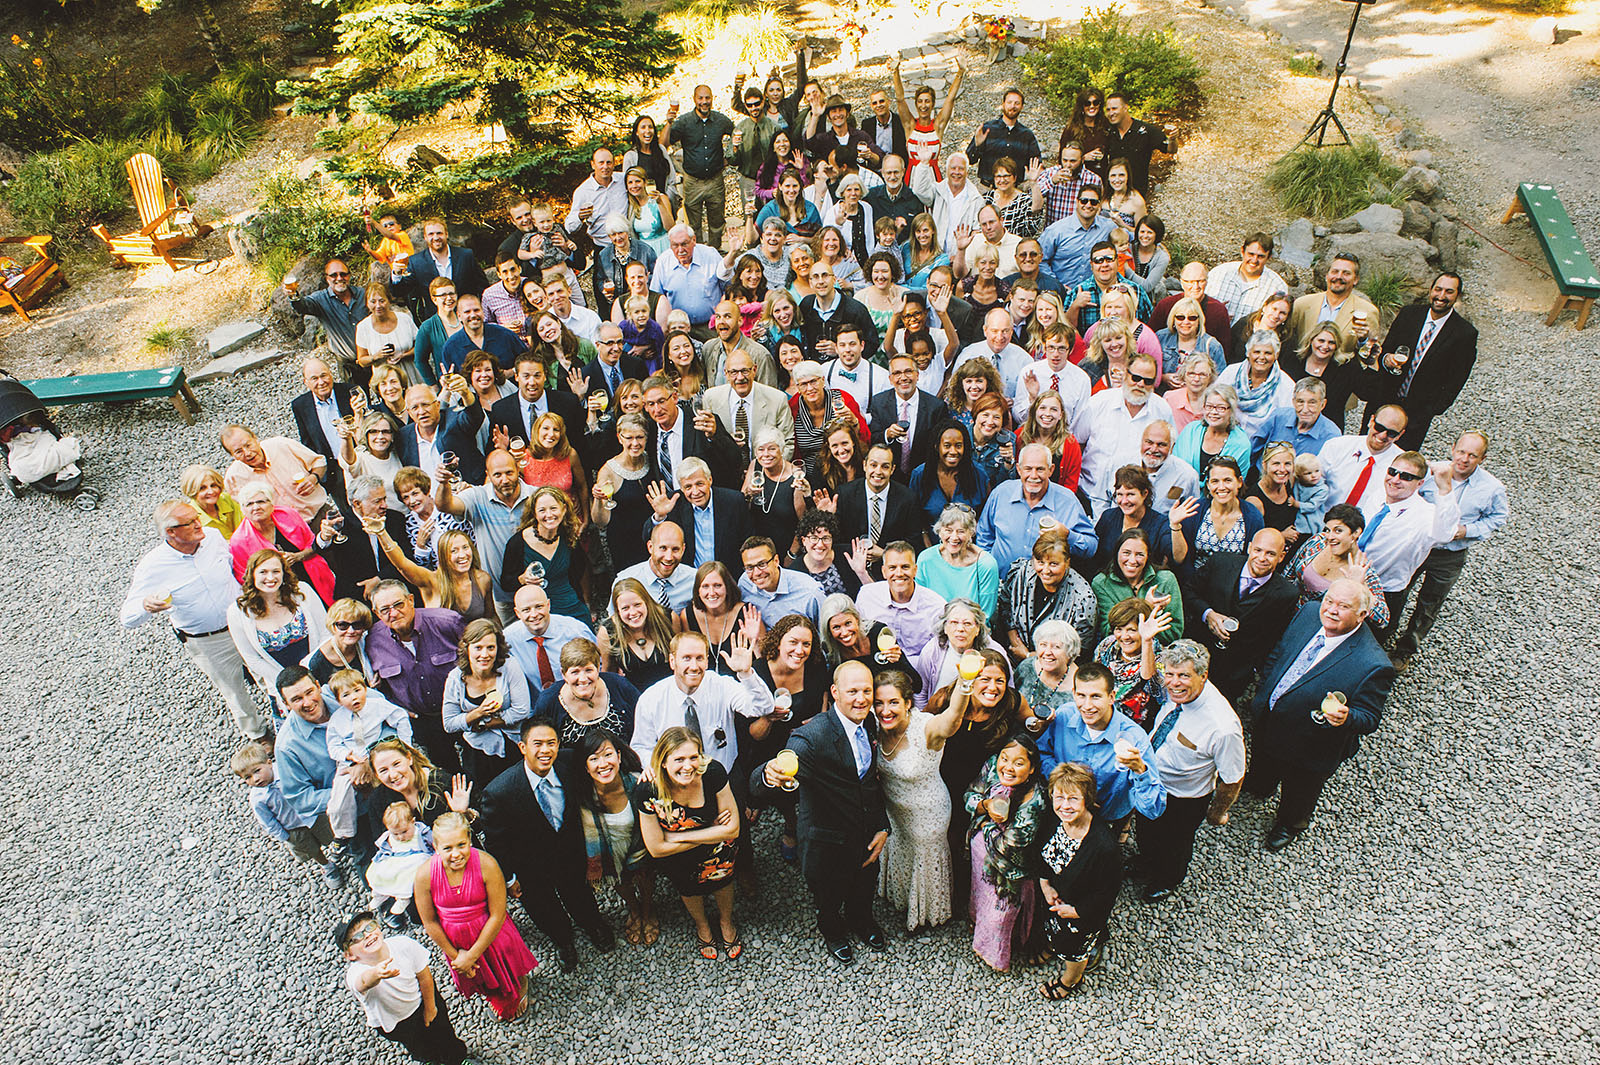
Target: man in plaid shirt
{"type": "Point", "coordinates": [1085, 305]}
{"type": "Point", "coordinates": [1244, 286]}
{"type": "Point", "coordinates": [1056, 190]}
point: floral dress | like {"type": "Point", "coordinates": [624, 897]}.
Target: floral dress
{"type": "Point", "coordinates": [1136, 697]}
{"type": "Point", "coordinates": [707, 867]}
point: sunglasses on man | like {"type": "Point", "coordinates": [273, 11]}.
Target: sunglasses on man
{"type": "Point", "coordinates": [1404, 475]}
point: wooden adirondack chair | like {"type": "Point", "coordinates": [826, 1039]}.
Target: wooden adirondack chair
{"type": "Point", "coordinates": [25, 290]}
{"type": "Point", "coordinates": [157, 237]}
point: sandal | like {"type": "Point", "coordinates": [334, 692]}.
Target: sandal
{"type": "Point", "coordinates": [1045, 954]}
{"type": "Point", "coordinates": [734, 947]}
{"type": "Point", "coordinates": [652, 931]}
{"type": "Point", "coordinates": [706, 948]}
{"type": "Point", "coordinates": [1056, 990]}
{"type": "Point", "coordinates": [632, 929]}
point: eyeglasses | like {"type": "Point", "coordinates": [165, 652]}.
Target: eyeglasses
{"type": "Point", "coordinates": [445, 293]}
{"type": "Point", "coordinates": [1028, 255]}
{"type": "Point", "coordinates": [1379, 427]}
{"type": "Point", "coordinates": [752, 567]}
{"type": "Point", "coordinates": [1404, 475]}
{"type": "Point", "coordinates": [1143, 380]}
{"type": "Point", "coordinates": [388, 608]}
{"type": "Point", "coordinates": [1101, 260]}
{"type": "Point", "coordinates": [347, 626]}
{"type": "Point", "coordinates": [337, 274]}
{"type": "Point", "coordinates": [1088, 201]}
{"type": "Point", "coordinates": [1186, 318]}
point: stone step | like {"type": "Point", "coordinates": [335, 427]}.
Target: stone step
{"type": "Point", "coordinates": [237, 363]}
{"type": "Point", "coordinates": [232, 336]}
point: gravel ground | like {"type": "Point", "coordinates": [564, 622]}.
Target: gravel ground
{"type": "Point", "coordinates": [1433, 914]}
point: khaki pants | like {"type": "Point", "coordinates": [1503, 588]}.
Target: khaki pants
{"type": "Point", "coordinates": [307, 841]}
{"type": "Point", "coordinates": [219, 660]}
{"type": "Point", "coordinates": [705, 202]}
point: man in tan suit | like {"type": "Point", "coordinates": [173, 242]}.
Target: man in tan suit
{"type": "Point", "coordinates": [764, 407]}
{"type": "Point", "coordinates": [1341, 302]}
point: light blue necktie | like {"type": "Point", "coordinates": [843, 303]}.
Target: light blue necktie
{"type": "Point", "coordinates": [1372, 527]}
{"type": "Point", "coordinates": [1165, 727]}
{"type": "Point", "coordinates": [550, 801]}
{"type": "Point", "coordinates": [863, 751]}
{"type": "Point", "coordinates": [1300, 667]}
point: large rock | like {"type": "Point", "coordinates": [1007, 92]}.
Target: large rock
{"type": "Point", "coordinates": [1374, 218]}
{"type": "Point", "coordinates": [1445, 236]}
{"type": "Point", "coordinates": [1296, 242]}
{"type": "Point", "coordinates": [1418, 220]}
{"type": "Point", "coordinates": [232, 336]}
{"type": "Point", "coordinates": [1383, 252]}
{"type": "Point", "coordinates": [1418, 183]}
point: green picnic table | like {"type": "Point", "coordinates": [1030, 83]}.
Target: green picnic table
{"type": "Point", "coordinates": [1577, 281]}
{"type": "Point", "coordinates": [165, 383]}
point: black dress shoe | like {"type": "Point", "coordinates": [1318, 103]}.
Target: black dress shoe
{"type": "Point", "coordinates": [873, 937]}
{"type": "Point", "coordinates": [569, 957]}
{"type": "Point", "coordinates": [841, 951]}
{"type": "Point", "coordinates": [1157, 894]}
{"type": "Point", "coordinates": [604, 939]}
{"type": "Point", "coordinates": [1281, 836]}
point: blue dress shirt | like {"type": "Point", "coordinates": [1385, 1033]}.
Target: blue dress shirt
{"type": "Point", "coordinates": [1008, 527]}
{"type": "Point", "coordinates": [1119, 791]}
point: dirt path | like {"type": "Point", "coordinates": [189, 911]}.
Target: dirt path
{"type": "Point", "coordinates": [1496, 106]}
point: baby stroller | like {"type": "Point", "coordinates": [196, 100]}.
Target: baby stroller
{"type": "Point", "coordinates": [21, 413]}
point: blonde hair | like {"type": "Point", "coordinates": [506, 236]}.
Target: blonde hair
{"type": "Point", "coordinates": [197, 477]}
{"type": "Point", "coordinates": [450, 821]}
{"type": "Point", "coordinates": [393, 811]}
{"type": "Point", "coordinates": [248, 757]}
{"type": "Point", "coordinates": [671, 740]}
{"type": "Point", "coordinates": [345, 679]}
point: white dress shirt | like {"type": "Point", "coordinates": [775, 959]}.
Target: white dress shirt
{"type": "Point", "coordinates": [1411, 529]}
{"type": "Point", "coordinates": [606, 201]}
{"type": "Point", "coordinates": [716, 700]}
{"type": "Point", "coordinates": [201, 584]}
{"type": "Point", "coordinates": [870, 380]}
{"type": "Point", "coordinates": [583, 322]}
{"type": "Point", "coordinates": [1111, 440]}
{"type": "Point", "coordinates": [1071, 382]}
{"type": "Point", "coordinates": [680, 583]}
{"type": "Point", "coordinates": [1342, 460]}
{"type": "Point", "coordinates": [1214, 749]}
{"type": "Point", "coordinates": [674, 439]}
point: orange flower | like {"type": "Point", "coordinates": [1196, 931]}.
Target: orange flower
{"type": "Point", "coordinates": [38, 62]}
{"type": "Point", "coordinates": [15, 39]}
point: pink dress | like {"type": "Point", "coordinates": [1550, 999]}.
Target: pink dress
{"type": "Point", "coordinates": [556, 472]}
{"type": "Point", "coordinates": [463, 911]}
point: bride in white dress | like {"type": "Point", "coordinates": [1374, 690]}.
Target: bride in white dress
{"type": "Point", "coordinates": [914, 874]}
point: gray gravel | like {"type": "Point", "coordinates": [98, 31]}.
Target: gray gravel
{"type": "Point", "coordinates": [1440, 910]}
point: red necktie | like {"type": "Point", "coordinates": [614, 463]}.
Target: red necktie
{"type": "Point", "coordinates": [1354, 498]}
{"type": "Point", "coordinates": [1055, 382]}
{"type": "Point", "coordinates": [547, 675]}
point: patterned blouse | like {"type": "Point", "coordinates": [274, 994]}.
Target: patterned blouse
{"type": "Point", "coordinates": [1009, 849]}
{"type": "Point", "coordinates": [1298, 566]}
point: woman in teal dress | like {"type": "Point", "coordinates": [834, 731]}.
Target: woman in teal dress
{"type": "Point", "coordinates": [649, 211]}
{"type": "Point", "coordinates": [922, 254]}
{"type": "Point", "coordinates": [546, 551]}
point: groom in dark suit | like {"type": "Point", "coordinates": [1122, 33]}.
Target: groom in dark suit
{"type": "Point", "coordinates": [1300, 735]}
{"type": "Point", "coordinates": [531, 825]}
{"type": "Point", "coordinates": [1247, 591]}
{"type": "Point", "coordinates": [1444, 347]}
{"type": "Point", "coordinates": [843, 824]}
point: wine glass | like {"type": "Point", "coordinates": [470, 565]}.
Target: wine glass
{"type": "Point", "coordinates": [535, 573]}
{"type": "Point", "coordinates": [519, 452]}
{"type": "Point", "coordinates": [609, 490]}
{"type": "Point", "coordinates": [968, 666]}
{"type": "Point", "coordinates": [452, 462]}
{"type": "Point", "coordinates": [1331, 701]}
{"type": "Point", "coordinates": [336, 519]}
{"type": "Point", "coordinates": [783, 703]}
{"type": "Point", "coordinates": [602, 401]}
{"type": "Point", "coordinates": [787, 763]}
{"type": "Point", "coordinates": [1402, 355]}
{"type": "Point", "coordinates": [887, 643]}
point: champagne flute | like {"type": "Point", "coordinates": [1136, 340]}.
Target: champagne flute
{"type": "Point", "coordinates": [787, 763]}
{"type": "Point", "coordinates": [886, 643]}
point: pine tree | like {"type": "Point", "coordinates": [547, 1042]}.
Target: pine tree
{"type": "Point", "coordinates": [539, 68]}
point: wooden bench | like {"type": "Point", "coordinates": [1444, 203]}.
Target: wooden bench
{"type": "Point", "coordinates": [166, 383]}
{"type": "Point", "coordinates": [1577, 281]}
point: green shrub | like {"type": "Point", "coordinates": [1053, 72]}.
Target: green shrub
{"type": "Point", "coordinates": [1329, 182]}
{"type": "Point", "coordinates": [301, 216]}
{"type": "Point", "coordinates": [67, 191]}
{"type": "Point", "coordinates": [1388, 289]}
{"type": "Point", "coordinates": [223, 135]}
{"type": "Point", "coordinates": [1151, 67]}
{"type": "Point", "coordinates": [51, 97]}
{"type": "Point", "coordinates": [166, 337]}
{"type": "Point", "coordinates": [165, 106]}
{"type": "Point", "coordinates": [1305, 66]}
{"type": "Point", "coordinates": [251, 86]}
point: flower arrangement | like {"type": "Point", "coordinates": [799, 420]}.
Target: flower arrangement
{"type": "Point", "coordinates": [998, 29]}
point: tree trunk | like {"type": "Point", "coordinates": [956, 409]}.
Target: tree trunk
{"type": "Point", "coordinates": [211, 33]}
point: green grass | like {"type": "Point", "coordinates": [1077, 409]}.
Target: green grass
{"type": "Point", "coordinates": [165, 337]}
{"type": "Point", "coordinates": [223, 135]}
{"type": "Point", "coordinates": [1389, 290]}
{"type": "Point", "coordinates": [1304, 66]}
{"type": "Point", "coordinates": [1329, 182]}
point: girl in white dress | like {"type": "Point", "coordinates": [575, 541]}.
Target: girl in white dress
{"type": "Point", "coordinates": [914, 874]}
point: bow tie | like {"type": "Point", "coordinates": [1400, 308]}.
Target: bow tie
{"type": "Point", "coordinates": [851, 374]}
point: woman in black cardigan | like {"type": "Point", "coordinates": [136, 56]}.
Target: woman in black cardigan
{"type": "Point", "coordinates": [1080, 873]}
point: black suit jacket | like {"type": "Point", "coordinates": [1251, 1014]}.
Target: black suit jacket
{"type": "Point", "coordinates": [464, 271]}
{"type": "Point", "coordinates": [507, 414]}
{"type": "Point", "coordinates": [897, 138]}
{"type": "Point", "coordinates": [838, 812]}
{"type": "Point", "coordinates": [310, 427]}
{"type": "Point", "coordinates": [520, 836]}
{"type": "Point", "coordinates": [1358, 667]}
{"type": "Point", "coordinates": [850, 309]}
{"type": "Point", "coordinates": [719, 452]}
{"type": "Point", "coordinates": [458, 432]}
{"type": "Point", "coordinates": [1262, 615]}
{"type": "Point", "coordinates": [354, 560]}
{"type": "Point", "coordinates": [968, 322]}
{"type": "Point", "coordinates": [902, 518]}
{"type": "Point", "coordinates": [883, 410]}
{"type": "Point", "coordinates": [1441, 375]}
{"type": "Point", "coordinates": [730, 513]}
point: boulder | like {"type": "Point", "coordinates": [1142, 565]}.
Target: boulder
{"type": "Point", "coordinates": [1544, 31]}
{"type": "Point", "coordinates": [1374, 218]}
{"type": "Point", "coordinates": [1296, 242]}
{"type": "Point", "coordinates": [1444, 237]}
{"type": "Point", "coordinates": [1381, 252]}
{"type": "Point", "coordinates": [1416, 222]}
{"type": "Point", "coordinates": [1377, 191]}
{"type": "Point", "coordinates": [1418, 183]}
{"type": "Point", "coordinates": [1407, 139]}
{"type": "Point", "coordinates": [232, 336]}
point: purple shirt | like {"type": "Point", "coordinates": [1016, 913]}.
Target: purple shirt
{"type": "Point", "coordinates": [416, 681]}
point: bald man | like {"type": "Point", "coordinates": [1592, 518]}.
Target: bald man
{"type": "Point", "coordinates": [318, 409]}
{"type": "Point", "coordinates": [1237, 606]}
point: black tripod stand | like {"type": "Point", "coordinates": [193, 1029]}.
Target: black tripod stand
{"type": "Point", "coordinates": [1319, 128]}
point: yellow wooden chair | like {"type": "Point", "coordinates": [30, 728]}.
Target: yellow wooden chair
{"type": "Point", "coordinates": [166, 223]}
{"type": "Point", "coordinates": [28, 284]}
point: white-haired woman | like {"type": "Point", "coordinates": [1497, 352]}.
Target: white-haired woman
{"type": "Point", "coordinates": [1261, 386]}
{"type": "Point", "coordinates": [963, 627]}
{"type": "Point", "coordinates": [1217, 432]}
{"type": "Point", "coordinates": [1045, 677]}
{"type": "Point", "coordinates": [956, 567]}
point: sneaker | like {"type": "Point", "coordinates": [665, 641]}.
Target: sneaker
{"type": "Point", "coordinates": [333, 873]}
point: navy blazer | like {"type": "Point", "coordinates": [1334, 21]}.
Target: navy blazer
{"type": "Point", "coordinates": [355, 561]}
{"type": "Point", "coordinates": [719, 452]}
{"type": "Point", "coordinates": [309, 426]}
{"type": "Point", "coordinates": [458, 432]}
{"type": "Point", "coordinates": [519, 834]}
{"type": "Point", "coordinates": [730, 520]}
{"type": "Point", "coordinates": [632, 367]}
{"type": "Point", "coordinates": [902, 518]}
{"type": "Point", "coordinates": [838, 811]}
{"type": "Point", "coordinates": [883, 410]}
{"type": "Point", "coordinates": [507, 414]}
{"type": "Point", "coordinates": [1358, 667]}
{"type": "Point", "coordinates": [464, 271]}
